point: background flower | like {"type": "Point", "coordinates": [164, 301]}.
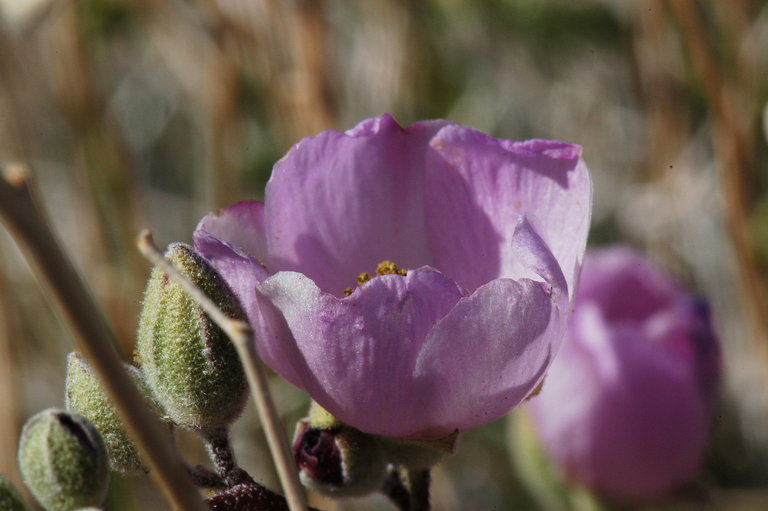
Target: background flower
{"type": "Point", "coordinates": [626, 406]}
{"type": "Point", "coordinates": [491, 231]}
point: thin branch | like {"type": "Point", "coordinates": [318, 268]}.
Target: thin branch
{"type": "Point", "coordinates": [242, 337]}
{"type": "Point", "coordinates": [419, 482]}
{"type": "Point", "coordinates": [93, 334]}
{"type": "Point", "coordinates": [730, 140]}
{"type": "Point", "coordinates": [223, 458]}
{"type": "Point", "coordinates": [394, 489]}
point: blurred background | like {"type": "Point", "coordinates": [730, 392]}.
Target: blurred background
{"type": "Point", "coordinates": [140, 113]}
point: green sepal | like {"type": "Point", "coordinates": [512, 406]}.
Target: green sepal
{"type": "Point", "coordinates": [10, 498]}
{"type": "Point", "coordinates": [63, 461]}
{"type": "Point", "coordinates": [189, 363]}
{"type": "Point", "coordinates": [86, 396]}
{"type": "Point", "coordinates": [419, 453]}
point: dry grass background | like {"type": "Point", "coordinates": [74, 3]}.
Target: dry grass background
{"type": "Point", "coordinates": [151, 113]}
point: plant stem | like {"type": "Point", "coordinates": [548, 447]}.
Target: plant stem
{"type": "Point", "coordinates": [242, 337]}
{"type": "Point", "coordinates": [418, 481]}
{"type": "Point", "coordinates": [394, 489]}
{"type": "Point", "coordinates": [248, 497]}
{"type": "Point", "coordinates": [205, 477]}
{"type": "Point", "coordinates": [94, 336]}
{"type": "Point", "coordinates": [220, 451]}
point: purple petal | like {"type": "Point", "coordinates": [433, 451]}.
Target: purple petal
{"type": "Point", "coordinates": [340, 203]}
{"type": "Point", "coordinates": [489, 352]}
{"type": "Point", "coordinates": [626, 285]}
{"type": "Point", "coordinates": [232, 241]}
{"type": "Point", "coordinates": [359, 352]}
{"type": "Point", "coordinates": [477, 186]}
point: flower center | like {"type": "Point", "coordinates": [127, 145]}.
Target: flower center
{"type": "Point", "coordinates": [383, 268]}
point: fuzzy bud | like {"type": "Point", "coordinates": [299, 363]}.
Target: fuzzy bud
{"type": "Point", "coordinates": [85, 395]}
{"type": "Point", "coordinates": [189, 363]}
{"type": "Point", "coordinates": [10, 498]}
{"type": "Point", "coordinates": [336, 459]}
{"type": "Point", "coordinates": [63, 461]}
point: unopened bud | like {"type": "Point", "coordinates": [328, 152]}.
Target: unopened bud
{"type": "Point", "coordinates": [10, 498]}
{"type": "Point", "coordinates": [336, 459]}
{"type": "Point", "coordinates": [85, 395]}
{"type": "Point", "coordinates": [189, 363]}
{"type": "Point", "coordinates": [63, 461]}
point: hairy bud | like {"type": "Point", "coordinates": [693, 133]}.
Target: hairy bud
{"type": "Point", "coordinates": [10, 498]}
{"type": "Point", "coordinates": [85, 395]}
{"type": "Point", "coordinates": [189, 363]}
{"type": "Point", "coordinates": [63, 461]}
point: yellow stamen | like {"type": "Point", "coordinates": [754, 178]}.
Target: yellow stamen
{"type": "Point", "coordinates": [383, 268]}
{"type": "Point", "coordinates": [389, 268]}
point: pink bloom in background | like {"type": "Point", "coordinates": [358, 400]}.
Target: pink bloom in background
{"type": "Point", "coordinates": [491, 232]}
{"type": "Point", "coordinates": [626, 406]}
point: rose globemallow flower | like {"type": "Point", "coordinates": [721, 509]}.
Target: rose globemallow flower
{"type": "Point", "coordinates": [414, 281]}
{"type": "Point", "coordinates": [626, 406]}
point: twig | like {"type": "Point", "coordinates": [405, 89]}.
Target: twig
{"type": "Point", "coordinates": [731, 148]}
{"type": "Point", "coordinates": [248, 497]}
{"type": "Point", "coordinates": [220, 451]}
{"type": "Point", "coordinates": [418, 482]}
{"type": "Point", "coordinates": [95, 338]}
{"type": "Point", "coordinates": [205, 477]}
{"type": "Point", "coordinates": [242, 337]}
{"type": "Point", "coordinates": [394, 489]}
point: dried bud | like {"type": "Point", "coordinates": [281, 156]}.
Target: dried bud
{"type": "Point", "coordinates": [336, 459]}
{"type": "Point", "coordinates": [10, 498]}
{"type": "Point", "coordinates": [63, 461]}
{"type": "Point", "coordinates": [189, 363]}
{"type": "Point", "coordinates": [85, 395]}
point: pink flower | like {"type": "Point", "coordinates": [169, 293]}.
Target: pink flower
{"type": "Point", "coordinates": [491, 232]}
{"type": "Point", "coordinates": [626, 406]}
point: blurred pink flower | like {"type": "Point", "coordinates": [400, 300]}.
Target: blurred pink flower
{"type": "Point", "coordinates": [491, 232]}
{"type": "Point", "coordinates": [626, 406]}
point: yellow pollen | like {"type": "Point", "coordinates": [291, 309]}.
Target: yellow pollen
{"type": "Point", "coordinates": [389, 268]}
{"type": "Point", "coordinates": [383, 268]}
{"type": "Point", "coordinates": [363, 278]}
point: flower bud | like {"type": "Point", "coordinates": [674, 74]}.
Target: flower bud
{"type": "Point", "coordinates": [336, 459]}
{"type": "Point", "coordinates": [627, 404]}
{"type": "Point", "coordinates": [63, 461]}
{"type": "Point", "coordinates": [189, 363]}
{"type": "Point", "coordinates": [85, 395]}
{"type": "Point", "coordinates": [10, 498]}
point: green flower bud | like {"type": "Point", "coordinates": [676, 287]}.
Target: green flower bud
{"type": "Point", "coordinates": [339, 461]}
{"type": "Point", "coordinates": [190, 364]}
{"type": "Point", "coordinates": [10, 498]}
{"type": "Point", "coordinates": [85, 395]}
{"type": "Point", "coordinates": [63, 461]}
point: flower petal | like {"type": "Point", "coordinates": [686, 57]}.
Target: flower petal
{"type": "Point", "coordinates": [340, 203]}
{"type": "Point", "coordinates": [495, 348]}
{"type": "Point", "coordinates": [627, 287]}
{"type": "Point", "coordinates": [232, 241]}
{"type": "Point", "coordinates": [476, 188]}
{"type": "Point", "coordinates": [359, 352]}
